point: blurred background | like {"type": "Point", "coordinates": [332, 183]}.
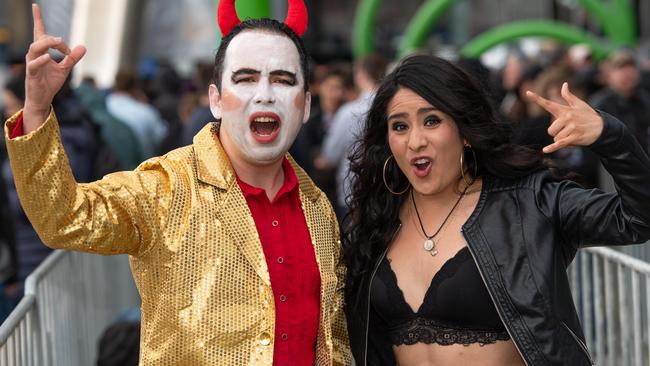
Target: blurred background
{"type": "Point", "coordinates": [141, 91]}
{"type": "Point", "coordinates": [132, 33]}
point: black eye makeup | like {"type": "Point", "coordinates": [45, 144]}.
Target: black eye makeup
{"type": "Point", "coordinates": [244, 76]}
{"type": "Point", "coordinates": [284, 77]}
{"type": "Point", "coordinates": [243, 79]}
{"type": "Point", "coordinates": [285, 81]}
{"type": "Point", "coordinates": [398, 126]}
{"type": "Point", "coordinates": [432, 120]}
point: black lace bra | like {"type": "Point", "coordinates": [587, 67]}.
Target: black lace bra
{"type": "Point", "coordinates": [457, 308]}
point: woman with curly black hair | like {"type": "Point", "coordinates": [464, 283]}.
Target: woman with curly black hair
{"type": "Point", "coordinates": [458, 240]}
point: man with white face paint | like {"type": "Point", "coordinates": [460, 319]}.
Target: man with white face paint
{"type": "Point", "coordinates": [235, 252]}
{"type": "Point", "coordinates": [262, 103]}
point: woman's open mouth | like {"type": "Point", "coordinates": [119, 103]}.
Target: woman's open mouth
{"type": "Point", "coordinates": [422, 167]}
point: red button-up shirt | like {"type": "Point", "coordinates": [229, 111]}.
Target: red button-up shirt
{"type": "Point", "coordinates": [18, 127]}
{"type": "Point", "coordinates": [291, 260]}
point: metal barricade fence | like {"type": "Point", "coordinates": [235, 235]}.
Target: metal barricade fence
{"type": "Point", "coordinates": [641, 252]}
{"type": "Point", "coordinates": [612, 292]}
{"type": "Point", "coordinates": [68, 302]}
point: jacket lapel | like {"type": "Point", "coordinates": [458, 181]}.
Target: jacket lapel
{"type": "Point", "coordinates": [319, 223]}
{"type": "Point", "coordinates": [213, 167]}
{"type": "Point", "coordinates": [238, 222]}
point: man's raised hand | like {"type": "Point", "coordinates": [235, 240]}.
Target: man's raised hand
{"type": "Point", "coordinates": [44, 75]}
{"type": "Point", "coordinates": [574, 124]}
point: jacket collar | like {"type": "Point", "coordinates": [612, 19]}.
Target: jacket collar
{"type": "Point", "coordinates": [214, 168]}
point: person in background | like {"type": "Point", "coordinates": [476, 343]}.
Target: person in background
{"type": "Point", "coordinates": [119, 344]}
{"type": "Point", "coordinates": [520, 109]}
{"type": "Point", "coordinates": [201, 115]}
{"type": "Point", "coordinates": [585, 68]}
{"type": "Point", "coordinates": [644, 65]}
{"type": "Point", "coordinates": [532, 131]}
{"type": "Point", "coordinates": [508, 78]}
{"type": "Point", "coordinates": [8, 262]}
{"type": "Point", "coordinates": [165, 91]}
{"type": "Point", "coordinates": [124, 103]}
{"type": "Point", "coordinates": [79, 141]}
{"type": "Point", "coordinates": [623, 96]}
{"type": "Point", "coordinates": [119, 137]}
{"type": "Point", "coordinates": [347, 125]}
{"type": "Point", "coordinates": [308, 144]}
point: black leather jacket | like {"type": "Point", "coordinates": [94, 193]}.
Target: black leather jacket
{"type": "Point", "coordinates": [523, 235]}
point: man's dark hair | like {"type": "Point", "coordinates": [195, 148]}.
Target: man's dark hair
{"type": "Point", "coordinates": [267, 25]}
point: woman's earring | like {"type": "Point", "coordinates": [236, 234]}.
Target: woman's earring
{"type": "Point", "coordinates": [386, 181]}
{"type": "Point", "coordinates": [462, 166]}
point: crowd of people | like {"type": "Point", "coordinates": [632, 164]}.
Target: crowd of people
{"type": "Point", "coordinates": [342, 147]}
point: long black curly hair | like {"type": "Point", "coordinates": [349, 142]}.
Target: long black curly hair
{"type": "Point", "coordinates": [374, 211]}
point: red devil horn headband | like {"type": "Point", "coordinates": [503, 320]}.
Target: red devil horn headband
{"type": "Point", "coordinates": [227, 16]}
{"type": "Point", "coordinates": [296, 16]}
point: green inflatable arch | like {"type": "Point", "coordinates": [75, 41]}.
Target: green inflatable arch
{"type": "Point", "coordinates": [615, 16]}
{"type": "Point", "coordinates": [540, 28]}
{"type": "Point", "coordinates": [363, 41]}
{"type": "Point", "coordinates": [420, 26]}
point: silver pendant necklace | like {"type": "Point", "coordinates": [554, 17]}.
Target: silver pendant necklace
{"type": "Point", "coordinates": [429, 243]}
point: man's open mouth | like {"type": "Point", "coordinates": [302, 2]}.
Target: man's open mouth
{"type": "Point", "coordinates": [265, 125]}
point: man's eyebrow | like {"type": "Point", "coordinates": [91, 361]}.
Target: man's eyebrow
{"type": "Point", "coordinates": [245, 72]}
{"type": "Point", "coordinates": [283, 73]}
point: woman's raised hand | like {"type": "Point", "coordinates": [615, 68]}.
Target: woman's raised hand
{"type": "Point", "coordinates": [574, 124]}
{"type": "Point", "coordinates": [44, 75]}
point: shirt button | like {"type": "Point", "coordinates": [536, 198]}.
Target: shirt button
{"type": "Point", "coordinates": [280, 260]}
{"type": "Point", "coordinates": [285, 336]}
{"type": "Point", "coordinates": [275, 223]}
{"type": "Point", "coordinates": [283, 298]}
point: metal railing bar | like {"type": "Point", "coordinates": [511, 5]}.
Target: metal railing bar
{"type": "Point", "coordinates": [12, 321]}
{"type": "Point", "coordinates": [609, 308]}
{"type": "Point", "coordinates": [621, 258]}
{"type": "Point", "coordinates": [33, 280]}
{"type": "Point", "coordinates": [636, 319]}
{"type": "Point", "coordinates": [599, 322]}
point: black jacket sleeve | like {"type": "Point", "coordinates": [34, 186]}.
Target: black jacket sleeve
{"type": "Point", "coordinates": [593, 217]}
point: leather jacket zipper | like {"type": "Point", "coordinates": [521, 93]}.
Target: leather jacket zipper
{"type": "Point", "coordinates": [372, 276]}
{"type": "Point", "coordinates": [582, 345]}
{"type": "Point", "coordinates": [480, 271]}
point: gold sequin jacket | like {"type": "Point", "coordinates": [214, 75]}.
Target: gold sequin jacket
{"type": "Point", "coordinates": [194, 251]}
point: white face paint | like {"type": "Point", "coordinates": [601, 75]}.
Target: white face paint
{"type": "Point", "coordinates": [262, 103]}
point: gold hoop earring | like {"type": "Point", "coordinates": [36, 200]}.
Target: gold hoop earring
{"type": "Point", "coordinates": [462, 166]}
{"type": "Point", "coordinates": [386, 182]}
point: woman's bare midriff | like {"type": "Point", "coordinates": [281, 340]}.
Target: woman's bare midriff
{"type": "Point", "coordinates": [501, 353]}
